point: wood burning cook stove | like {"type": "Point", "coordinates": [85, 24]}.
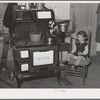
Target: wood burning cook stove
{"type": "Point", "coordinates": [33, 59]}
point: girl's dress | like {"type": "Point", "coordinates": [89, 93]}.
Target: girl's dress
{"type": "Point", "coordinates": [80, 47]}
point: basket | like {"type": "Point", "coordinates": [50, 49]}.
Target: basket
{"type": "Point", "coordinates": [35, 36]}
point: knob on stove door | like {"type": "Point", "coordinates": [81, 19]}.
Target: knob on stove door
{"type": "Point", "coordinates": [11, 75]}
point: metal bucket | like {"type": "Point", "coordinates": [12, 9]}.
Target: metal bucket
{"type": "Point", "coordinates": [63, 27]}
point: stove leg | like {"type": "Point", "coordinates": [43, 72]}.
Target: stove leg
{"type": "Point", "coordinates": [58, 73]}
{"type": "Point", "coordinates": [59, 80]}
{"type": "Point", "coordinates": [19, 82]}
{"type": "Point", "coordinates": [5, 53]}
{"type": "Point", "coordinates": [67, 82]}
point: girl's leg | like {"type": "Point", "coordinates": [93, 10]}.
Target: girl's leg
{"type": "Point", "coordinates": [70, 55]}
{"type": "Point", "coordinates": [79, 59]}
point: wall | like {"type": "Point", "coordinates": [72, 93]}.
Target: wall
{"type": "Point", "coordinates": [2, 11]}
{"type": "Point", "coordinates": [86, 18]}
{"type": "Point", "coordinates": [61, 10]}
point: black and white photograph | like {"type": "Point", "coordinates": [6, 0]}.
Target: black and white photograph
{"type": "Point", "coordinates": [49, 44]}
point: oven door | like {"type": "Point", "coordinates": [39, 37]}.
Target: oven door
{"type": "Point", "coordinates": [25, 16]}
{"type": "Point", "coordinates": [44, 55]}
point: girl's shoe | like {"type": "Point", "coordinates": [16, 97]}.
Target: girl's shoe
{"type": "Point", "coordinates": [66, 63]}
{"type": "Point", "coordinates": [76, 68]}
{"type": "Point", "coordinates": [73, 67]}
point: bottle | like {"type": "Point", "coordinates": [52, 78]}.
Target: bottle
{"type": "Point", "coordinates": [27, 6]}
{"type": "Point", "coordinates": [11, 75]}
{"type": "Point", "coordinates": [39, 5]}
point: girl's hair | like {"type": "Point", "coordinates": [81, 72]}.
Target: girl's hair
{"type": "Point", "coordinates": [83, 34]}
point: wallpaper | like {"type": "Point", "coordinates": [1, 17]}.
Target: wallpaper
{"type": "Point", "coordinates": [2, 11]}
{"type": "Point", "coordinates": [61, 10]}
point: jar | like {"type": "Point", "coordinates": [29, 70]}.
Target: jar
{"type": "Point", "coordinates": [39, 5]}
{"type": "Point", "coordinates": [27, 6]}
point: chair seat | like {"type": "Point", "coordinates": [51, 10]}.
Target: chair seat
{"type": "Point", "coordinates": [71, 69]}
{"type": "Point", "coordinates": [79, 70]}
{"type": "Point", "coordinates": [72, 72]}
{"type": "Point", "coordinates": [82, 63]}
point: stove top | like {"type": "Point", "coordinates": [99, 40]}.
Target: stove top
{"type": "Point", "coordinates": [28, 43]}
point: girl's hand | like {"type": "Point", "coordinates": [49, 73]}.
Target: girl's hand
{"type": "Point", "coordinates": [75, 57]}
{"type": "Point", "coordinates": [80, 53]}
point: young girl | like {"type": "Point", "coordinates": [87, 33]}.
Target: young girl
{"type": "Point", "coordinates": [80, 50]}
